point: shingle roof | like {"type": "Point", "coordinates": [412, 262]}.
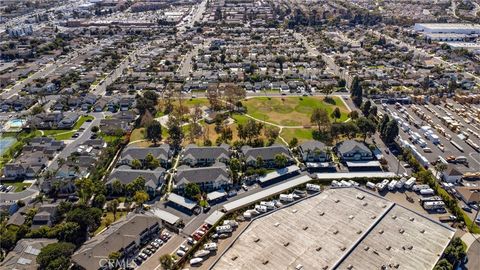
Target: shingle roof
{"type": "Point", "coordinates": [351, 145]}
{"type": "Point", "coordinates": [207, 152]}
{"type": "Point", "coordinates": [161, 152]}
{"type": "Point", "coordinates": [201, 175]}
{"type": "Point", "coordinates": [267, 153]}
{"type": "Point", "coordinates": [312, 145]}
{"type": "Point", "coordinates": [118, 235]}
{"type": "Point", "coordinates": [152, 178]}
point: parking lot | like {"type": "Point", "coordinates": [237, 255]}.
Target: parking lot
{"type": "Point", "coordinates": [444, 148]}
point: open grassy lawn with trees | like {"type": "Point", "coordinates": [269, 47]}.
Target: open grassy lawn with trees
{"type": "Point", "coordinates": [292, 111]}
{"type": "Point", "coordinates": [302, 134]}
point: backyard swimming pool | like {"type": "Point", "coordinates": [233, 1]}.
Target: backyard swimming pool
{"type": "Point", "coordinates": [5, 143]}
{"type": "Point", "coordinates": [16, 123]}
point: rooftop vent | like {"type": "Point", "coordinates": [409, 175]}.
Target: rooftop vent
{"type": "Point", "coordinates": [321, 213]}
{"type": "Point", "coordinates": [384, 205]}
{"type": "Point", "coordinates": [276, 224]}
{"type": "Point", "coordinates": [359, 231]}
{"type": "Point", "coordinates": [365, 204]}
{"type": "Point", "coordinates": [351, 217]}
{"type": "Point", "coordinates": [294, 211]}
{"type": "Point", "coordinates": [305, 228]}
{"type": "Point", "coordinates": [318, 248]}
{"type": "Point", "coordinates": [335, 232]}
{"type": "Point", "coordinates": [256, 240]}
{"type": "Point", "coordinates": [394, 217]}
{"type": "Point", "coordinates": [265, 262]}
{"type": "Point", "coordinates": [350, 267]}
{"type": "Point", "coordinates": [337, 200]}
{"type": "Point", "coordinates": [410, 247]}
{"type": "Point", "coordinates": [286, 244]}
{"type": "Point", "coordinates": [234, 258]}
{"type": "Point", "coordinates": [373, 217]}
{"type": "Point", "coordinates": [366, 248]}
{"type": "Point", "coordinates": [380, 232]}
{"type": "Point", "coordinates": [412, 219]}
{"type": "Point", "coordinates": [299, 267]}
{"type": "Point", "coordinates": [401, 231]}
{"type": "Point", "coordinates": [343, 248]}
{"type": "Point", "coordinates": [325, 267]}
{"type": "Point", "coordinates": [388, 248]}
{"type": "Point", "coordinates": [360, 196]}
{"type": "Point", "coordinates": [422, 231]}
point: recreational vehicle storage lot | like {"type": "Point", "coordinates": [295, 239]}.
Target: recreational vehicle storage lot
{"type": "Point", "coordinates": [346, 227]}
{"type": "Point", "coordinates": [471, 154]}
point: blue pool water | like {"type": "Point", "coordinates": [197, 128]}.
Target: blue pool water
{"type": "Point", "coordinates": [5, 143]}
{"type": "Point", "coordinates": [16, 123]}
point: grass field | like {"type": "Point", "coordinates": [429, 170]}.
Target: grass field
{"type": "Point", "coordinates": [109, 215]}
{"type": "Point", "coordinates": [291, 111]}
{"type": "Point", "coordinates": [302, 134]}
{"type": "Point", "coordinates": [19, 185]}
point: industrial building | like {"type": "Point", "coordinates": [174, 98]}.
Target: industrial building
{"type": "Point", "coordinates": [347, 228]}
{"type": "Point", "coordinates": [450, 28]}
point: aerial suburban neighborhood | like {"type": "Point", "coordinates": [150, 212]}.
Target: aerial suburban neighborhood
{"type": "Point", "coordinates": [239, 134]}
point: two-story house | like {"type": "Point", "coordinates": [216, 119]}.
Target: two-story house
{"type": "Point", "coordinates": [266, 154]}
{"type": "Point", "coordinates": [352, 150]}
{"type": "Point", "coordinates": [197, 156]}
{"type": "Point", "coordinates": [207, 178]}
{"type": "Point", "coordinates": [162, 153]}
{"type": "Point", "coordinates": [313, 151]}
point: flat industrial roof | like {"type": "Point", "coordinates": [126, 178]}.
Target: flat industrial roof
{"type": "Point", "coordinates": [450, 25]}
{"type": "Point", "coordinates": [266, 193]}
{"type": "Point", "coordinates": [216, 195]}
{"type": "Point", "coordinates": [351, 175]}
{"type": "Point", "coordinates": [359, 164]}
{"type": "Point", "coordinates": [214, 217]}
{"type": "Point", "coordinates": [278, 173]}
{"type": "Point", "coordinates": [182, 201]}
{"type": "Point", "coordinates": [340, 224]}
{"type": "Point", "coordinates": [166, 216]}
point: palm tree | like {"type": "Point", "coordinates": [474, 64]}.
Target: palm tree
{"type": "Point", "coordinates": [440, 167]}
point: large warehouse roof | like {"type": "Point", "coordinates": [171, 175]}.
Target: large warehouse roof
{"type": "Point", "coordinates": [341, 224]}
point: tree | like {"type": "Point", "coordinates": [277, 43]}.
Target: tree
{"type": "Point", "coordinates": [151, 162]}
{"type": "Point", "coordinates": [443, 264]}
{"type": "Point", "coordinates": [353, 114]}
{"type": "Point", "coordinates": [175, 132]}
{"type": "Point", "coordinates": [455, 251]}
{"type": "Point", "coordinates": [55, 256]}
{"type": "Point", "coordinates": [235, 167]}
{"type": "Point", "coordinates": [365, 126]}
{"type": "Point", "coordinates": [366, 107]}
{"type": "Point", "coordinates": [328, 89]}
{"type": "Point", "coordinates": [293, 142]}
{"type": "Point", "coordinates": [154, 132]}
{"type": "Point", "coordinates": [383, 124]}
{"type": "Point", "coordinates": [112, 206]}
{"type": "Point", "coordinates": [440, 167]}
{"type": "Point", "coordinates": [95, 129]}
{"type": "Point", "coordinates": [336, 114]}
{"type": "Point", "coordinates": [320, 118]}
{"type": "Point", "coordinates": [136, 185]}
{"type": "Point", "coordinates": [140, 197]}
{"type": "Point", "coordinates": [87, 217]}
{"type": "Point", "coordinates": [85, 188]}
{"type": "Point", "coordinates": [117, 187]}
{"type": "Point", "coordinates": [99, 201]}
{"type": "Point", "coordinates": [69, 232]}
{"type": "Point", "coordinates": [391, 131]}
{"type": "Point", "coordinates": [192, 190]}
{"type": "Point", "coordinates": [280, 160]}
{"type": "Point", "coordinates": [271, 134]}
{"type": "Point", "coordinates": [213, 96]}
{"type": "Point", "coordinates": [166, 261]}
{"type": "Point", "coordinates": [136, 164]}
{"type": "Point", "coordinates": [356, 92]}
{"type": "Point", "coordinates": [259, 162]}
{"type": "Point", "coordinates": [37, 110]}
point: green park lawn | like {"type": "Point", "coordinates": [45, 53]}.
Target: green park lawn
{"type": "Point", "coordinates": [291, 111]}
{"type": "Point", "coordinates": [302, 134]}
